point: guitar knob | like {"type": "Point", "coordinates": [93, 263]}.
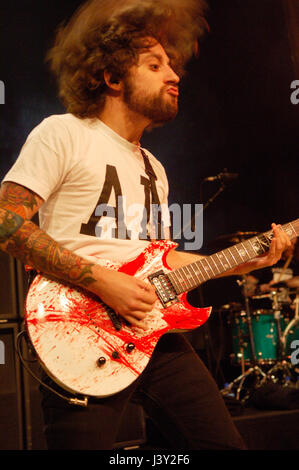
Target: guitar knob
{"type": "Point", "coordinates": [130, 347]}
{"type": "Point", "coordinates": [115, 355]}
{"type": "Point", "coordinates": [101, 361]}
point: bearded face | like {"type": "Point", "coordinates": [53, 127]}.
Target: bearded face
{"type": "Point", "coordinates": [150, 88]}
{"type": "Point", "coordinates": [158, 106]}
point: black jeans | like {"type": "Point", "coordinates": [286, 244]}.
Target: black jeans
{"type": "Point", "coordinates": [176, 391]}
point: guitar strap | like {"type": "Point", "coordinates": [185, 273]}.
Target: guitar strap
{"type": "Point", "coordinates": [155, 197]}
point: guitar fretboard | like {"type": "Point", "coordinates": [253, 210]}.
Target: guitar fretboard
{"type": "Point", "coordinates": [192, 275]}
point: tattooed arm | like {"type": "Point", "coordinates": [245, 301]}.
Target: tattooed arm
{"type": "Point", "coordinates": [24, 240]}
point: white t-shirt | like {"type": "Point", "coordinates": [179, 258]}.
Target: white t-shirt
{"type": "Point", "coordinates": [90, 177]}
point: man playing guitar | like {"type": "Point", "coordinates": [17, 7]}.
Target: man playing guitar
{"type": "Point", "coordinates": [118, 70]}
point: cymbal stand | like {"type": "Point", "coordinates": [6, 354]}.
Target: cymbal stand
{"type": "Point", "coordinates": [249, 322]}
{"type": "Point", "coordinates": [258, 374]}
{"type": "Point", "coordinates": [254, 370]}
{"type": "Point", "coordinates": [277, 318]}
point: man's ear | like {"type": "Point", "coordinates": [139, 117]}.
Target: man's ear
{"type": "Point", "coordinates": [112, 82]}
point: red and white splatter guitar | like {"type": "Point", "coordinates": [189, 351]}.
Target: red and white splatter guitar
{"type": "Point", "coordinates": [88, 350]}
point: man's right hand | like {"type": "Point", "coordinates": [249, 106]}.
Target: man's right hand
{"type": "Point", "coordinates": [128, 296]}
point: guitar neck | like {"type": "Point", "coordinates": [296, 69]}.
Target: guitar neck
{"type": "Point", "coordinates": [192, 275]}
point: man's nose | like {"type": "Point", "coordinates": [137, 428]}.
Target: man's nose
{"type": "Point", "coordinates": [171, 76]}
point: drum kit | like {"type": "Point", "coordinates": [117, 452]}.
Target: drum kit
{"type": "Point", "coordinates": [264, 340]}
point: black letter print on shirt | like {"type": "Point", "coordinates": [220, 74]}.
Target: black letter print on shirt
{"type": "Point", "coordinates": [103, 209]}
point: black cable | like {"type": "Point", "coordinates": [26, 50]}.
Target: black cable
{"type": "Point", "coordinates": [74, 401]}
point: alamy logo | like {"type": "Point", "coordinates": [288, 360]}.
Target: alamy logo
{"type": "Point", "coordinates": [134, 222]}
{"type": "Point", "coordinates": [295, 95]}
{"type": "Point", "coordinates": [295, 354]}
{"type": "Point", "coordinates": [2, 92]}
{"type": "Point", "coordinates": [2, 353]}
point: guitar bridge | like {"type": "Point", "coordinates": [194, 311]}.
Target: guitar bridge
{"type": "Point", "coordinates": [164, 288]}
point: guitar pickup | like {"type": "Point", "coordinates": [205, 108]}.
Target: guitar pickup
{"type": "Point", "coordinates": [164, 288]}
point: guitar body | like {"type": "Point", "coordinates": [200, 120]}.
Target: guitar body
{"type": "Point", "coordinates": [70, 329]}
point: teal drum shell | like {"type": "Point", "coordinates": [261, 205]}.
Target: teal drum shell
{"type": "Point", "coordinates": [265, 336]}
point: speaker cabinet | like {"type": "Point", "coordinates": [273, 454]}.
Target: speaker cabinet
{"type": "Point", "coordinates": [33, 433]}
{"type": "Point", "coordinates": [8, 288]}
{"type": "Point", "coordinates": [11, 416]}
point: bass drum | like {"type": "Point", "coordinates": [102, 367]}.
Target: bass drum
{"type": "Point", "coordinates": [265, 337]}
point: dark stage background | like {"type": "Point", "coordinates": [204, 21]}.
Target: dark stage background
{"type": "Point", "coordinates": [235, 109]}
{"type": "Point", "coordinates": [235, 113]}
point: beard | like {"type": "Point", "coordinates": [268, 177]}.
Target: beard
{"type": "Point", "coordinates": [159, 107]}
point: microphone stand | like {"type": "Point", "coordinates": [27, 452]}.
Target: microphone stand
{"type": "Point", "coordinates": [205, 328]}
{"type": "Point", "coordinates": [212, 198]}
{"type": "Point", "coordinates": [206, 205]}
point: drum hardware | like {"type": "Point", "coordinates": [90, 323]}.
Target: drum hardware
{"type": "Point", "coordinates": [254, 372]}
{"type": "Point", "coordinates": [291, 327]}
{"type": "Point", "coordinates": [278, 300]}
{"type": "Point", "coordinates": [280, 373]}
{"type": "Point", "coordinates": [277, 317]}
{"type": "Point", "coordinates": [293, 283]}
{"type": "Point", "coordinates": [282, 369]}
{"type": "Point", "coordinates": [232, 307]}
{"type": "Point", "coordinates": [262, 337]}
{"type": "Point", "coordinates": [261, 296]}
{"type": "Point", "coordinates": [249, 322]}
{"type": "Point", "coordinates": [261, 341]}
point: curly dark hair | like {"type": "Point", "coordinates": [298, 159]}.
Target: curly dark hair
{"type": "Point", "coordinates": [109, 35]}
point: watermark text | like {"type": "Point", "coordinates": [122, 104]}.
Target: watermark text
{"type": "Point", "coordinates": [2, 92]}
{"type": "Point", "coordinates": [295, 94]}
{"type": "Point", "coordinates": [295, 354]}
{"type": "Point", "coordinates": [135, 222]}
{"type": "Point", "coordinates": [2, 353]}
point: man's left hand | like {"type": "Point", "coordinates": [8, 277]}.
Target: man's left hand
{"type": "Point", "coordinates": [280, 242]}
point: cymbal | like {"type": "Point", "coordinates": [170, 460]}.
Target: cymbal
{"type": "Point", "coordinates": [293, 282]}
{"type": "Point", "coordinates": [277, 285]}
{"type": "Point", "coordinates": [231, 239]}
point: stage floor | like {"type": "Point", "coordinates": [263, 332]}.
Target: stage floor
{"type": "Point", "coordinates": [260, 429]}
{"type": "Point", "coordinates": [269, 430]}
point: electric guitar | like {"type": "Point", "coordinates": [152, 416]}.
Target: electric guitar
{"type": "Point", "coordinates": [87, 349]}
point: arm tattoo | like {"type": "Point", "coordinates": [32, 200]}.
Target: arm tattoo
{"type": "Point", "coordinates": [37, 249]}
{"type": "Point", "coordinates": [25, 241]}
{"type": "Point", "coordinates": [16, 195]}
{"type": "Point", "coordinates": [9, 224]}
